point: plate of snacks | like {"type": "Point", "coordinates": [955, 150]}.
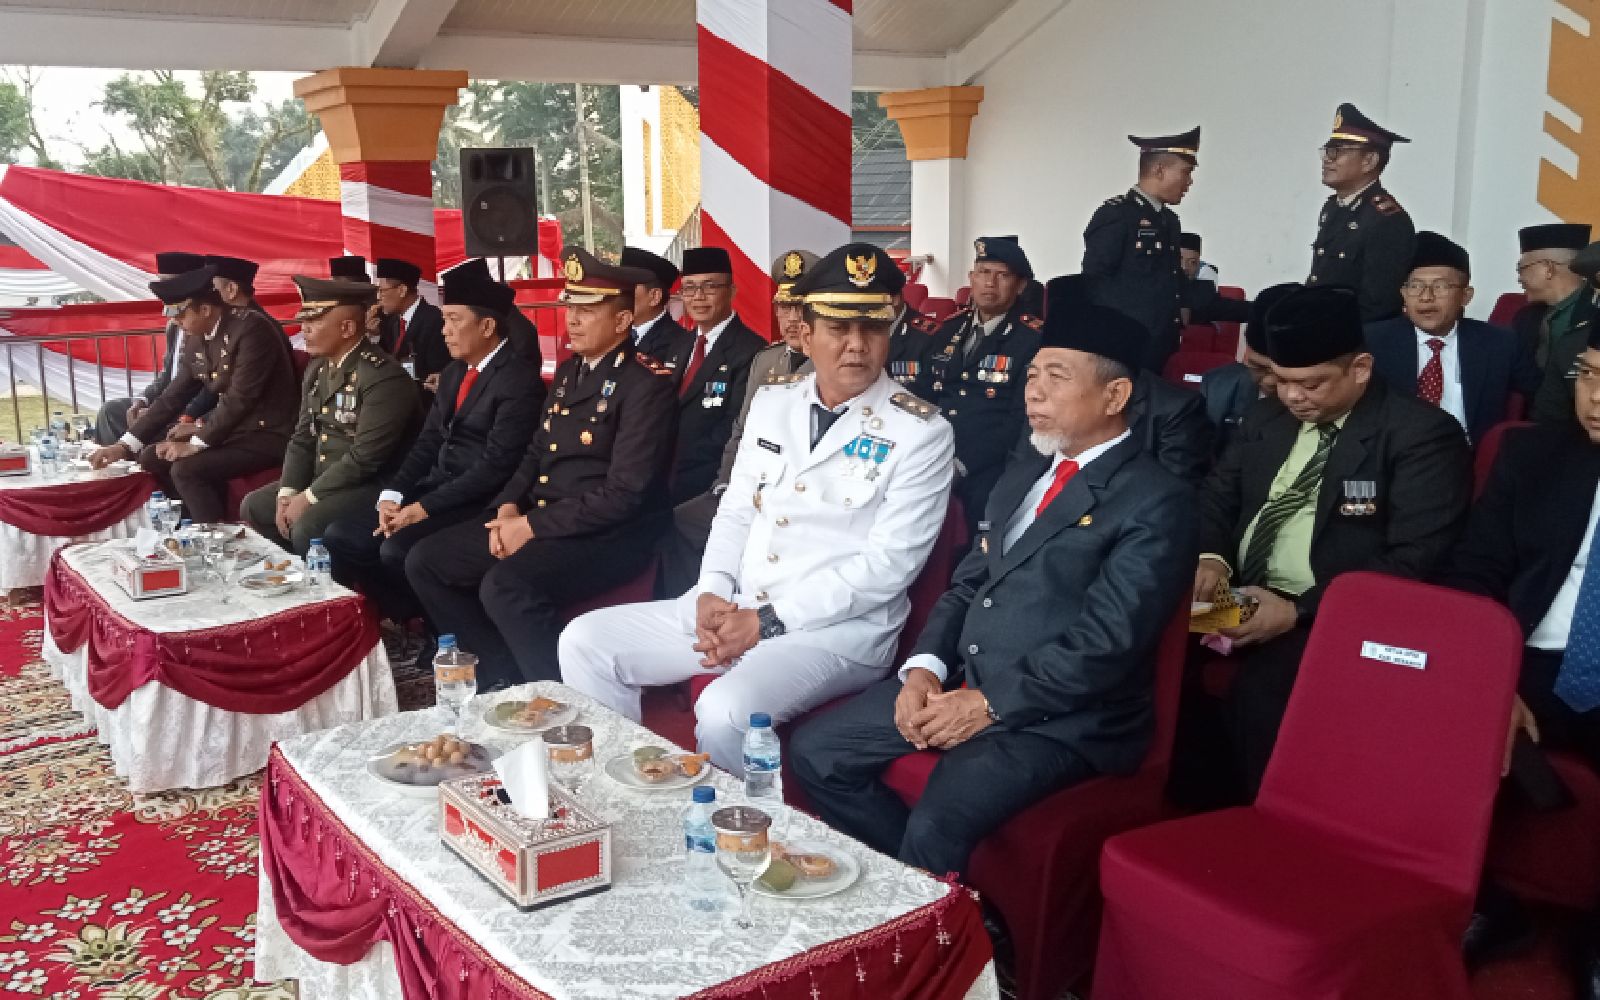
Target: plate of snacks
{"type": "Point", "coordinates": [271, 581]}
{"type": "Point", "coordinates": [654, 769]}
{"type": "Point", "coordinates": [529, 717]}
{"type": "Point", "coordinates": [418, 768]}
{"type": "Point", "coordinates": [807, 869]}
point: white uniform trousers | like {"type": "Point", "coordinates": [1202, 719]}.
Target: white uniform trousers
{"type": "Point", "coordinates": [611, 653]}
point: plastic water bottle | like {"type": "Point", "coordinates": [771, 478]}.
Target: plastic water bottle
{"type": "Point", "coordinates": [155, 507]}
{"type": "Point", "coordinates": [318, 565]}
{"type": "Point", "coordinates": [49, 456]}
{"type": "Point", "coordinates": [704, 886]}
{"type": "Point", "coordinates": [455, 678]}
{"type": "Point", "coordinates": [186, 539]}
{"type": "Point", "coordinates": [763, 758]}
{"type": "Point", "coordinates": [58, 425]}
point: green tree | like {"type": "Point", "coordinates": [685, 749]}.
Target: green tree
{"type": "Point", "coordinates": [257, 145]}
{"type": "Point", "coordinates": [455, 133]}
{"type": "Point", "coordinates": [870, 125]}
{"type": "Point", "coordinates": [19, 127]}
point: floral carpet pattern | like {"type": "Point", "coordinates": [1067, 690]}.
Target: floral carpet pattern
{"type": "Point", "coordinates": [106, 895]}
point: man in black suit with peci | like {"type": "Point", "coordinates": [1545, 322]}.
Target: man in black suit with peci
{"type": "Point", "coordinates": [1035, 670]}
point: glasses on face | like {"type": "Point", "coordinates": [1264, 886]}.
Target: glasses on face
{"type": "Point", "coordinates": [1433, 288]}
{"type": "Point", "coordinates": [1531, 263]}
{"type": "Point", "coordinates": [695, 289]}
{"type": "Point", "coordinates": [1331, 153]}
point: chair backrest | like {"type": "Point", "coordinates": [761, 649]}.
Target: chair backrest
{"type": "Point", "coordinates": [915, 294]}
{"type": "Point", "coordinates": [1488, 448]}
{"type": "Point", "coordinates": [301, 361]}
{"type": "Point", "coordinates": [1171, 654]}
{"type": "Point", "coordinates": [963, 295]}
{"type": "Point", "coordinates": [1506, 307]}
{"type": "Point", "coordinates": [1186, 367]}
{"type": "Point", "coordinates": [1395, 732]}
{"type": "Point", "coordinates": [1197, 338]}
{"type": "Point", "coordinates": [939, 308]}
{"type": "Point", "coordinates": [934, 579]}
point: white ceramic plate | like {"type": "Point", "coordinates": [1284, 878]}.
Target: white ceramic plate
{"type": "Point", "coordinates": [620, 769]}
{"type": "Point", "coordinates": [558, 717]}
{"type": "Point", "coordinates": [260, 584]}
{"type": "Point", "coordinates": [846, 871]}
{"type": "Point", "coordinates": [405, 788]}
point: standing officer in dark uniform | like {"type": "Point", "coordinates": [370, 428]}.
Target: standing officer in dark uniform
{"type": "Point", "coordinates": [1132, 250]}
{"type": "Point", "coordinates": [655, 333]}
{"type": "Point", "coordinates": [977, 367]}
{"type": "Point", "coordinates": [1364, 238]}
{"type": "Point", "coordinates": [358, 413]}
{"type": "Point", "coordinates": [583, 511]}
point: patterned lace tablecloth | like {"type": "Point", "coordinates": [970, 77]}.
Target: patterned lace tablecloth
{"type": "Point", "coordinates": [638, 939]}
{"type": "Point", "coordinates": [25, 555]}
{"type": "Point", "coordinates": [161, 739]}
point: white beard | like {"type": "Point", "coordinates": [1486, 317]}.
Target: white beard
{"type": "Point", "coordinates": [1048, 445]}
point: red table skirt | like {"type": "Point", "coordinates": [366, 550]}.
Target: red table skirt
{"type": "Point", "coordinates": [71, 509]}
{"type": "Point", "coordinates": [263, 667]}
{"type": "Point", "coordinates": [335, 899]}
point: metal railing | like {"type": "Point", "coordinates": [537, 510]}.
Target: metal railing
{"type": "Point", "coordinates": [688, 236]}
{"type": "Point", "coordinates": [59, 380]}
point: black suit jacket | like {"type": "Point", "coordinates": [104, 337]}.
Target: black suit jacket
{"type": "Point", "coordinates": [708, 407]}
{"type": "Point", "coordinates": [1170, 423]}
{"type": "Point", "coordinates": [1525, 530]}
{"type": "Point", "coordinates": [1060, 632]}
{"type": "Point", "coordinates": [600, 455]}
{"type": "Point", "coordinates": [463, 457]}
{"type": "Point", "coordinates": [1493, 366]}
{"type": "Point", "coordinates": [1415, 453]}
{"type": "Point", "coordinates": [424, 340]}
{"type": "Point", "coordinates": [668, 343]}
{"type": "Point", "coordinates": [1229, 393]}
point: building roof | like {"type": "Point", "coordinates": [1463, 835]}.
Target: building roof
{"type": "Point", "coordinates": [881, 188]}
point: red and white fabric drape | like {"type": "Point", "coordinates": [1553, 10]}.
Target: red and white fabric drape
{"type": "Point", "coordinates": [774, 135]}
{"type": "Point", "coordinates": [388, 212]}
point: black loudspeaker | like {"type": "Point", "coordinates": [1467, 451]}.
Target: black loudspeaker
{"type": "Point", "coordinates": [499, 202]}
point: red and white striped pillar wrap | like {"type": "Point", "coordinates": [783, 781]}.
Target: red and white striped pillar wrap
{"type": "Point", "coordinates": [774, 135]}
{"type": "Point", "coordinates": [388, 212]}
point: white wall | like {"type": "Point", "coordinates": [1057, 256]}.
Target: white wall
{"type": "Point", "coordinates": [1464, 79]}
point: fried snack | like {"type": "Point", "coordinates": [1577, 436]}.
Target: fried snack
{"type": "Point", "coordinates": [812, 866]}
{"type": "Point", "coordinates": [779, 876]}
{"type": "Point", "coordinates": [535, 712]}
{"type": "Point", "coordinates": [691, 764]}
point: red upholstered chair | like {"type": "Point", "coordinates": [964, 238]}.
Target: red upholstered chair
{"type": "Point", "coordinates": [939, 308]}
{"type": "Point", "coordinates": [1197, 338]}
{"type": "Point", "coordinates": [1229, 329]}
{"type": "Point", "coordinates": [1185, 367]}
{"type": "Point", "coordinates": [915, 294]}
{"type": "Point", "coordinates": [241, 487]}
{"type": "Point", "coordinates": [302, 361]}
{"type": "Point", "coordinates": [636, 591]}
{"type": "Point", "coordinates": [1039, 869]}
{"type": "Point", "coordinates": [1354, 873]}
{"type": "Point", "coordinates": [963, 295]}
{"type": "Point", "coordinates": [1488, 448]}
{"type": "Point", "coordinates": [1505, 307]}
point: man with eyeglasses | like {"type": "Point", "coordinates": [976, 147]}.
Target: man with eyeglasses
{"type": "Point", "coordinates": [1555, 324]}
{"type": "Point", "coordinates": [711, 382]}
{"type": "Point", "coordinates": [1364, 238]}
{"type": "Point", "coordinates": [1133, 250]}
{"type": "Point", "coordinates": [409, 328]}
{"type": "Point", "coordinates": [1464, 366]}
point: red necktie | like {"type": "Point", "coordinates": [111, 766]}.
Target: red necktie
{"type": "Point", "coordinates": [695, 360]}
{"type": "Point", "coordinates": [466, 387]}
{"type": "Point", "coordinates": [400, 338]}
{"type": "Point", "coordinates": [1430, 384]}
{"type": "Point", "coordinates": [1065, 471]}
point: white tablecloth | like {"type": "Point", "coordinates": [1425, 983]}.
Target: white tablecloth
{"type": "Point", "coordinates": [637, 940]}
{"type": "Point", "coordinates": [160, 739]}
{"type": "Point", "coordinates": [25, 557]}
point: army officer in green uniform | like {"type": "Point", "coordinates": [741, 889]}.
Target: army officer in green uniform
{"type": "Point", "coordinates": [359, 411]}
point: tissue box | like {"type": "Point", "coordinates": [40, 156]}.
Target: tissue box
{"type": "Point", "coordinates": [15, 461]}
{"type": "Point", "coordinates": [157, 576]}
{"type": "Point", "coordinates": [531, 863]}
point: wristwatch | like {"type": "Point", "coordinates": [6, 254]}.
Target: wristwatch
{"type": "Point", "coordinates": [988, 709]}
{"type": "Point", "coordinates": [771, 625]}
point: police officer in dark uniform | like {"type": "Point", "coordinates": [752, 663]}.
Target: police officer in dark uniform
{"type": "Point", "coordinates": [655, 332]}
{"type": "Point", "coordinates": [583, 511]}
{"type": "Point", "coordinates": [977, 368]}
{"type": "Point", "coordinates": [1132, 250]}
{"type": "Point", "coordinates": [1364, 238]}
{"type": "Point", "coordinates": [236, 283]}
{"type": "Point", "coordinates": [911, 337]}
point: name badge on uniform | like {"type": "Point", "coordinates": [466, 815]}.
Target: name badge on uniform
{"type": "Point", "coordinates": [983, 536]}
{"type": "Point", "coordinates": [1360, 498]}
{"type": "Point", "coordinates": [774, 448]}
{"type": "Point", "coordinates": [715, 394]}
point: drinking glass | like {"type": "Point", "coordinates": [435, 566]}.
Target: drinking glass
{"type": "Point", "coordinates": [454, 684]}
{"type": "Point", "coordinates": [81, 425]}
{"type": "Point", "coordinates": [571, 753]}
{"type": "Point", "coordinates": [227, 563]}
{"type": "Point", "coordinates": [743, 851]}
{"type": "Point", "coordinates": [171, 517]}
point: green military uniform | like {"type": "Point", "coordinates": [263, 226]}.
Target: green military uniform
{"type": "Point", "coordinates": [358, 415]}
{"type": "Point", "coordinates": [1565, 336]}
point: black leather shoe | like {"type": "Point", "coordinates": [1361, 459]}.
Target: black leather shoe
{"type": "Point", "coordinates": [1494, 934]}
{"type": "Point", "coordinates": [1589, 970]}
{"type": "Point", "coordinates": [1004, 953]}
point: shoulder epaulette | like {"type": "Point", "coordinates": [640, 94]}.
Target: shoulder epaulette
{"type": "Point", "coordinates": [653, 366]}
{"type": "Point", "coordinates": [923, 322]}
{"type": "Point", "coordinates": [1386, 205]}
{"type": "Point", "coordinates": [1116, 199]}
{"type": "Point", "coordinates": [921, 409]}
{"type": "Point", "coordinates": [1030, 321]}
{"type": "Point", "coordinates": [774, 378]}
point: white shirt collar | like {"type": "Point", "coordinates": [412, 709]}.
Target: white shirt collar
{"type": "Point", "coordinates": [215, 327]}
{"type": "Point", "coordinates": [481, 365]}
{"type": "Point", "coordinates": [406, 316]}
{"type": "Point", "coordinates": [1351, 200]}
{"type": "Point", "coordinates": [1152, 200]}
{"type": "Point", "coordinates": [640, 329]}
{"type": "Point", "coordinates": [1449, 336]}
{"type": "Point", "coordinates": [1090, 454]}
{"type": "Point", "coordinates": [716, 331]}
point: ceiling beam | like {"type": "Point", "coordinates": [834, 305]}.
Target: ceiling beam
{"type": "Point", "coordinates": [1014, 24]}
{"type": "Point", "coordinates": [39, 38]}
{"type": "Point", "coordinates": [397, 32]}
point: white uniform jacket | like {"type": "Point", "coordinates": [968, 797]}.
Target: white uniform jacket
{"type": "Point", "coordinates": [831, 537]}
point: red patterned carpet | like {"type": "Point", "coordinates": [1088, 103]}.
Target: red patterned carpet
{"type": "Point", "coordinates": [105, 895]}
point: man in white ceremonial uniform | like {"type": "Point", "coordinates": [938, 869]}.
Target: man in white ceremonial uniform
{"type": "Point", "coordinates": [837, 494]}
